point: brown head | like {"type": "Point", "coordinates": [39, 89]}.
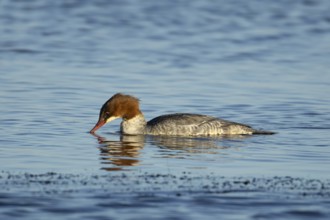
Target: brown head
{"type": "Point", "coordinates": [118, 106]}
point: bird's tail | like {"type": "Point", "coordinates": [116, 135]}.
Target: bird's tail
{"type": "Point", "coordinates": [261, 132]}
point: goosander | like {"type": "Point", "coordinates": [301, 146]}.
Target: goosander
{"type": "Point", "coordinates": [179, 124]}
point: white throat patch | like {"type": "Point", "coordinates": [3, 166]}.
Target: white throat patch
{"type": "Point", "coordinates": [111, 118]}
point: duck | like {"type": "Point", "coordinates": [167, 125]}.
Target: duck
{"type": "Point", "coordinates": [133, 122]}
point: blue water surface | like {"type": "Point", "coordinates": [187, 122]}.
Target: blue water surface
{"type": "Point", "coordinates": [263, 63]}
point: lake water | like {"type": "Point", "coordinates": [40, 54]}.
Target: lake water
{"type": "Point", "coordinates": [263, 63]}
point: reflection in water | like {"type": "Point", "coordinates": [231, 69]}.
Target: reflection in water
{"type": "Point", "coordinates": [202, 145]}
{"type": "Point", "coordinates": [122, 153]}
{"type": "Point", "coordinates": [117, 155]}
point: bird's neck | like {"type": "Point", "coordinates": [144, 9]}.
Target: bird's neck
{"type": "Point", "coordinates": [135, 125]}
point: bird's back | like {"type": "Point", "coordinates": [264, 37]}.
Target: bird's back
{"type": "Point", "coordinates": [184, 124]}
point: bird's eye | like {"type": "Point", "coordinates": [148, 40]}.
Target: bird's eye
{"type": "Point", "coordinates": [107, 115]}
